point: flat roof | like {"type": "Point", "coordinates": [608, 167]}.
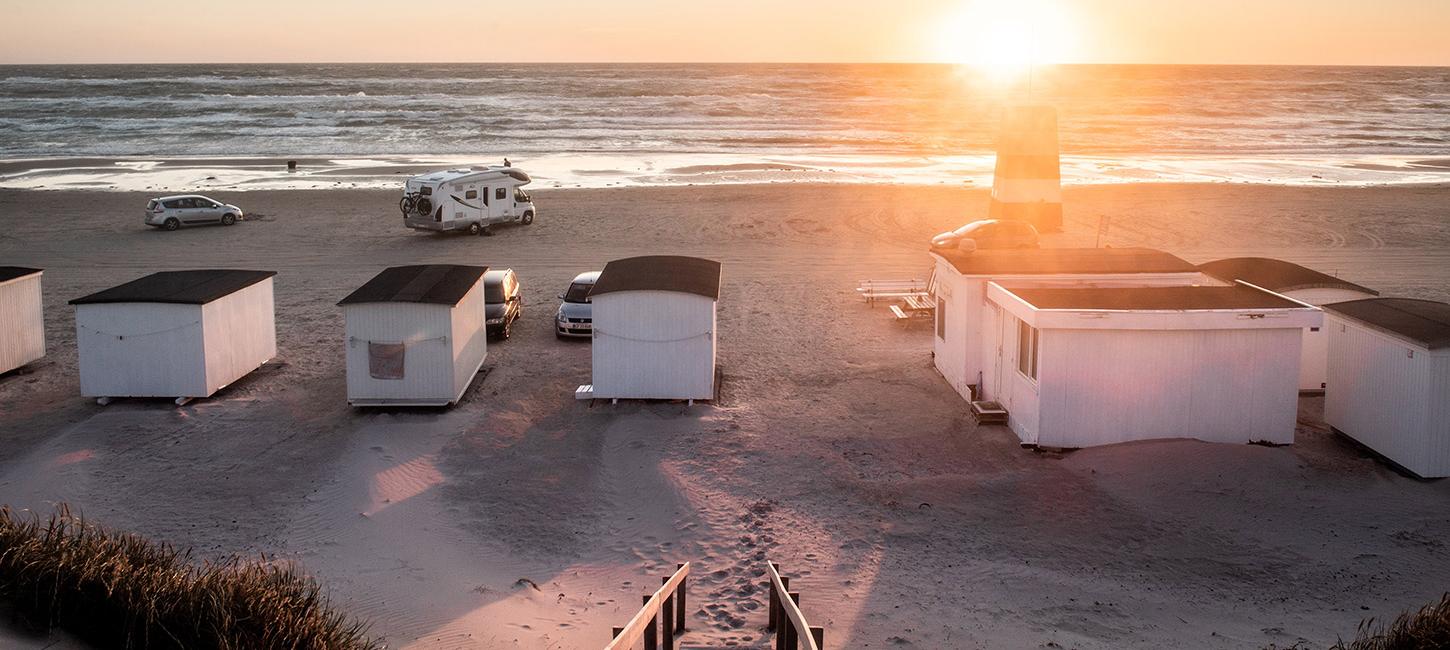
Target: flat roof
{"type": "Point", "coordinates": [1065, 261]}
{"type": "Point", "coordinates": [8, 273]}
{"type": "Point", "coordinates": [1154, 298]}
{"type": "Point", "coordinates": [436, 284]}
{"type": "Point", "coordinates": [660, 273]}
{"type": "Point", "coordinates": [195, 287]}
{"type": "Point", "coordinates": [1276, 275]}
{"type": "Point", "coordinates": [1426, 322]}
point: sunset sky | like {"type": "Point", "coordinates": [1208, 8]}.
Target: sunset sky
{"type": "Point", "coordinates": [1368, 32]}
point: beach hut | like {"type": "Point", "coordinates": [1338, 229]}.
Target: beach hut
{"type": "Point", "coordinates": [22, 326]}
{"type": "Point", "coordinates": [1389, 379]}
{"type": "Point", "coordinates": [1080, 367]}
{"type": "Point", "coordinates": [182, 334]}
{"type": "Point", "coordinates": [1302, 284]}
{"type": "Point", "coordinates": [654, 328]}
{"type": "Point", "coordinates": [961, 349]}
{"type": "Point", "coordinates": [416, 335]}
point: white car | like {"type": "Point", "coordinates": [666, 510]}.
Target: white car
{"type": "Point", "coordinates": [575, 316]}
{"type": "Point", "coordinates": [172, 212]}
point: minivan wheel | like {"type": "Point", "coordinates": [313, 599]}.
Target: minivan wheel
{"type": "Point", "coordinates": [528, 218]}
{"type": "Point", "coordinates": [229, 219]}
{"type": "Point", "coordinates": [171, 224]}
{"type": "Point", "coordinates": [475, 229]}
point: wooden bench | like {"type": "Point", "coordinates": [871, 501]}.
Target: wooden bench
{"type": "Point", "coordinates": [901, 316]}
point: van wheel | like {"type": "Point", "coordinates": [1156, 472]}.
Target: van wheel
{"type": "Point", "coordinates": [528, 218]}
{"type": "Point", "coordinates": [475, 229]}
{"type": "Point", "coordinates": [171, 224]}
{"type": "Point", "coordinates": [229, 219]}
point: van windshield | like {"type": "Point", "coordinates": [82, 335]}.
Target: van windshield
{"type": "Point", "coordinates": [578, 292]}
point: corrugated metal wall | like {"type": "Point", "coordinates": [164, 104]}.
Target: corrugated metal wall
{"type": "Point", "coordinates": [240, 334]}
{"type": "Point", "coordinates": [136, 349]}
{"type": "Point", "coordinates": [1314, 362]}
{"type": "Point", "coordinates": [1106, 386]}
{"type": "Point", "coordinates": [470, 339]}
{"type": "Point", "coordinates": [654, 345]}
{"type": "Point", "coordinates": [22, 324]}
{"type": "Point", "coordinates": [428, 374]}
{"type": "Point", "coordinates": [1383, 391]}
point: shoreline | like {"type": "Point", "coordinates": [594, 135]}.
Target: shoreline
{"type": "Point", "coordinates": [588, 170]}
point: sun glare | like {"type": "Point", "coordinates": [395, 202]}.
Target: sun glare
{"type": "Point", "coordinates": [1005, 36]}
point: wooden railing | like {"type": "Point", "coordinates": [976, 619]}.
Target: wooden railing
{"type": "Point", "coordinates": [792, 632]}
{"type": "Point", "coordinates": [662, 617]}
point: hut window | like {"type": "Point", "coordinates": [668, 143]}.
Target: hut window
{"type": "Point", "coordinates": [941, 319]}
{"type": "Point", "coordinates": [385, 360]}
{"type": "Point", "coordinates": [1027, 349]}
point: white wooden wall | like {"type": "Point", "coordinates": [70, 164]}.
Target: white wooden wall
{"type": "Point", "coordinates": [1389, 394]}
{"type": "Point", "coordinates": [239, 334]}
{"type": "Point", "coordinates": [1313, 366]}
{"type": "Point", "coordinates": [22, 324]}
{"type": "Point", "coordinates": [469, 340]}
{"type": "Point", "coordinates": [1100, 387]}
{"type": "Point", "coordinates": [428, 374]}
{"type": "Point", "coordinates": [141, 349]}
{"type": "Point", "coordinates": [654, 345]}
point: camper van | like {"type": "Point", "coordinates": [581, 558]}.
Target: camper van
{"type": "Point", "coordinates": [467, 199]}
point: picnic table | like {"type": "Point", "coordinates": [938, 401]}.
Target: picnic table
{"type": "Point", "coordinates": [914, 308]}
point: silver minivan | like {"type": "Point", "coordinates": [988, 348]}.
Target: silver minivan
{"type": "Point", "coordinates": [172, 212]}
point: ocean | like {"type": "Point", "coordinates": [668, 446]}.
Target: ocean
{"type": "Point", "coordinates": [596, 124]}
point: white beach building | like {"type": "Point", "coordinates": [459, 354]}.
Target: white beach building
{"type": "Point", "coordinates": [180, 334]}
{"type": "Point", "coordinates": [1087, 347]}
{"type": "Point", "coordinates": [22, 322]}
{"type": "Point", "coordinates": [1302, 284]}
{"type": "Point", "coordinates": [654, 328]}
{"type": "Point", "coordinates": [416, 335]}
{"type": "Point", "coordinates": [1389, 379]}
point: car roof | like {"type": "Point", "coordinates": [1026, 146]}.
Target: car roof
{"type": "Point", "coordinates": [586, 278]}
{"type": "Point", "coordinates": [494, 276]}
{"type": "Point", "coordinates": [183, 196]}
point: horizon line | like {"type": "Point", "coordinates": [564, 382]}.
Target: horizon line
{"type": "Point", "coordinates": [822, 63]}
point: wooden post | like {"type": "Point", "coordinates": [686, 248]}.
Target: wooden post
{"type": "Point", "coordinates": [651, 630]}
{"type": "Point", "coordinates": [667, 619]}
{"type": "Point", "coordinates": [819, 635]}
{"type": "Point", "coordinates": [774, 605]}
{"type": "Point", "coordinates": [680, 604]}
{"type": "Point", "coordinates": [794, 640]}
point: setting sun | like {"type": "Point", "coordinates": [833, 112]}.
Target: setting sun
{"type": "Point", "coordinates": [1003, 36]}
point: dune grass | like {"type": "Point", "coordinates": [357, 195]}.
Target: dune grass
{"type": "Point", "coordinates": [1427, 628]}
{"type": "Point", "coordinates": [118, 590]}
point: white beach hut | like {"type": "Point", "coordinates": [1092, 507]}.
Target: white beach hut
{"type": "Point", "coordinates": [1389, 379]}
{"type": "Point", "coordinates": [180, 334]}
{"type": "Point", "coordinates": [1302, 284]}
{"type": "Point", "coordinates": [654, 328]}
{"type": "Point", "coordinates": [22, 324]}
{"type": "Point", "coordinates": [415, 335]}
{"type": "Point", "coordinates": [962, 350]}
{"type": "Point", "coordinates": [1079, 367]}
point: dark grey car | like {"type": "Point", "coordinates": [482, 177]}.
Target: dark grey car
{"type": "Point", "coordinates": [502, 299]}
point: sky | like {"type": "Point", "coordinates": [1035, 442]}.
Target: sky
{"type": "Point", "coordinates": [1327, 32]}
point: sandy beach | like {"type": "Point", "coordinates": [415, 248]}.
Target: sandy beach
{"type": "Point", "coordinates": [523, 519]}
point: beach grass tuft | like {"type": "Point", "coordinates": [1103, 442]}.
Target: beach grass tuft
{"type": "Point", "coordinates": [118, 590]}
{"type": "Point", "coordinates": [1427, 628]}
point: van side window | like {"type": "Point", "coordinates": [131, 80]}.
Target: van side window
{"type": "Point", "coordinates": [470, 194]}
{"type": "Point", "coordinates": [501, 193]}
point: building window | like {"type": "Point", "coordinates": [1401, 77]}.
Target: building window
{"type": "Point", "coordinates": [1027, 350]}
{"type": "Point", "coordinates": [941, 319]}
